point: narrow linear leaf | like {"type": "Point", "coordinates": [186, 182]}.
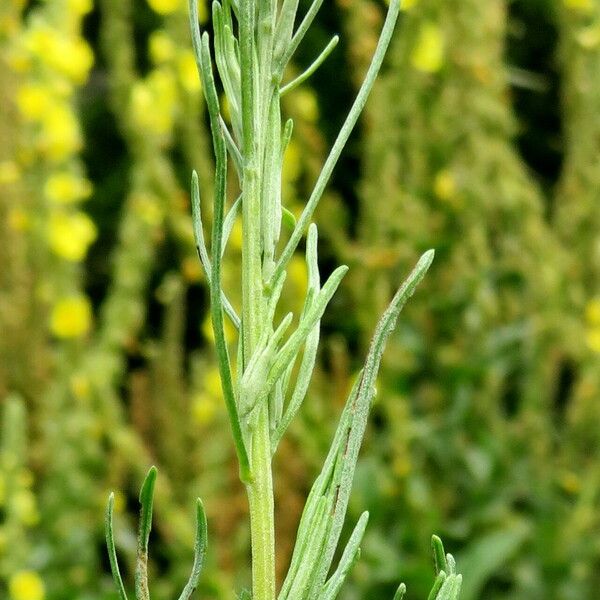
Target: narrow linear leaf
{"type": "Point", "coordinates": [312, 68]}
{"type": "Point", "coordinates": [344, 134]}
{"type": "Point", "coordinates": [200, 545]}
{"type": "Point", "coordinates": [358, 411]}
{"type": "Point", "coordinates": [437, 584]}
{"type": "Point", "coordinates": [399, 595]}
{"type": "Point", "coordinates": [333, 586]}
{"type": "Point", "coordinates": [295, 341]}
{"type": "Point", "coordinates": [439, 554]}
{"type": "Point", "coordinates": [110, 545]}
{"type": "Point", "coordinates": [141, 570]}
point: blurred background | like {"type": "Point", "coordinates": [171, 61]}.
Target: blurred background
{"type": "Point", "coordinates": [481, 139]}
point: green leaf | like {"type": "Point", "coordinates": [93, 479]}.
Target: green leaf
{"type": "Point", "coordinates": [200, 546]}
{"type": "Point", "coordinates": [439, 555]}
{"type": "Point", "coordinates": [110, 545]}
{"type": "Point", "coordinates": [145, 525]}
{"type": "Point", "coordinates": [347, 127]}
{"type": "Point", "coordinates": [349, 557]}
{"type": "Point", "coordinates": [399, 595]}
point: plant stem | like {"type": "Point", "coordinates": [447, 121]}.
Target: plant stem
{"type": "Point", "coordinates": [260, 489]}
{"type": "Point", "coordinates": [262, 523]}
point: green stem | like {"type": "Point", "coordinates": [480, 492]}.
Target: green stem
{"type": "Point", "coordinates": [260, 489]}
{"type": "Point", "coordinates": [262, 522]}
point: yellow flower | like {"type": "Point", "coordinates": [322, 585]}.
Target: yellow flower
{"type": "Point", "coordinates": [2, 490]}
{"type": "Point", "coordinates": [592, 311]}
{"type": "Point", "coordinates": [428, 54]}
{"type": "Point", "coordinates": [444, 185]}
{"type": "Point", "coordinates": [80, 7]}
{"type": "Point", "coordinates": [580, 5]}
{"type": "Point", "coordinates": [70, 235]}
{"type": "Point", "coordinates": [164, 7]}
{"type": "Point", "coordinates": [60, 135]}
{"type": "Point", "coordinates": [9, 172]}
{"type": "Point", "coordinates": [64, 187]}
{"type": "Point", "coordinates": [69, 56]}
{"type": "Point", "coordinates": [188, 72]}
{"type": "Point", "coordinates": [73, 58]}
{"type": "Point", "coordinates": [33, 100]}
{"type": "Point", "coordinates": [153, 102]}
{"type": "Point", "coordinates": [24, 507]}
{"type": "Point", "coordinates": [592, 338]}
{"type": "Point", "coordinates": [26, 585]}
{"type": "Point", "coordinates": [71, 317]}
{"type": "Point", "coordinates": [160, 47]}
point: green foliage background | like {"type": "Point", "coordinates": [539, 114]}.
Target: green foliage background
{"type": "Point", "coordinates": [481, 139]}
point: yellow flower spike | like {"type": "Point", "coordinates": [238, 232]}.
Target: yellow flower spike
{"type": "Point", "coordinates": [60, 135]}
{"type": "Point", "coordinates": [188, 72]}
{"type": "Point", "coordinates": [26, 585]}
{"type": "Point", "coordinates": [9, 172]}
{"type": "Point", "coordinates": [307, 105]}
{"type": "Point", "coordinates": [160, 47]}
{"type": "Point", "coordinates": [64, 188]}
{"type": "Point", "coordinates": [592, 311]}
{"type": "Point", "coordinates": [71, 317]}
{"type": "Point", "coordinates": [24, 507]}
{"type": "Point", "coordinates": [164, 7]}
{"type": "Point", "coordinates": [33, 101]}
{"type": "Point", "coordinates": [428, 54]}
{"type": "Point", "coordinates": [592, 339]}
{"type": "Point", "coordinates": [2, 490]}
{"type": "Point", "coordinates": [71, 234]}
